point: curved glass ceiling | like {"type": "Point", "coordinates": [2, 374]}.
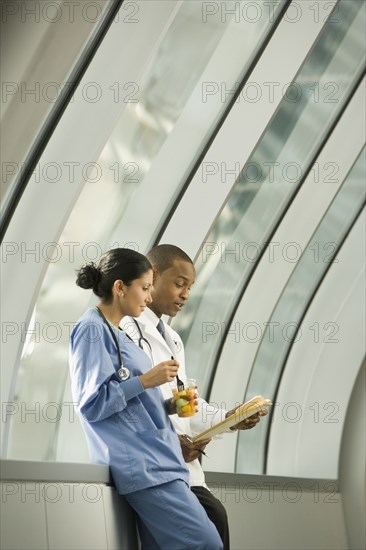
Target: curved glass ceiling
{"type": "Point", "coordinates": [40, 45]}
{"type": "Point", "coordinates": [269, 179]}
{"type": "Point", "coordinates": [271, 356]}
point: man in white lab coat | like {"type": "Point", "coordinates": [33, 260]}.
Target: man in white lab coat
{"type": "Point", "coordinates": [174, 274]}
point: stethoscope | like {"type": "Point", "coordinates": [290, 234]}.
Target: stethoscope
{"type": "Point", "coordinates": [123, 372]}
{"type": "Point", "coordinates": [143, 341]}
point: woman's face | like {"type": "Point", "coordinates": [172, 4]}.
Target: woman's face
{"type": "Point", "coordinates": [137, 295]}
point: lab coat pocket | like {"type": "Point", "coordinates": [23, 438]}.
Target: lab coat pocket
{"type": "Point", "coordinates": [162, 452]}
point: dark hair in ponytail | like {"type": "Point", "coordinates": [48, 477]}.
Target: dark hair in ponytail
{"type": "Point", "coordinates": [118, 263]}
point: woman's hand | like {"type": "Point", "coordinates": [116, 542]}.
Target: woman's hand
{"type": "Point", "coordinates": [164, 372]}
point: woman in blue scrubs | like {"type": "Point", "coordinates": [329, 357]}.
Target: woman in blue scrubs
{"type": "Point", "coordinates": [122, 410]}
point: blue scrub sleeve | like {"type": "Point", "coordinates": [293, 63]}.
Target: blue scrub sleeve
{"type": "Point", "coordinates": [111, 398]}
{"type": "Point", "coordinates": [99, 393]}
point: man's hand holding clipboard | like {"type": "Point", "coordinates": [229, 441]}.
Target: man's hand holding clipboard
{"type": "Point", "coordinates": [236, 419]}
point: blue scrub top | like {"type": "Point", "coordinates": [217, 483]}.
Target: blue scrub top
{"type": "Point", "coordinates": [126, 426]}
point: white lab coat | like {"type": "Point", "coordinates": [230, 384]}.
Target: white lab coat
{"type": "Point", "coordinates": [162, 350]}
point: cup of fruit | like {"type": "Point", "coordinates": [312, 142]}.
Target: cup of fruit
{"type": "Point", "coordinates": [185, 398]}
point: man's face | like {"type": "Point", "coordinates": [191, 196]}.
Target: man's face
{"type": "Point", "coordinates": [171, 288]}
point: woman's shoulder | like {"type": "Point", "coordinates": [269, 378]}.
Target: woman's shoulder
{"type": "Point", "coordinates": [90, 318]}
{"type": "Point", "coordinates": [90, 315]}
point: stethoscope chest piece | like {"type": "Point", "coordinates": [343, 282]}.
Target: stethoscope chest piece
{"type": "Point", "coordinates": [124, 373]}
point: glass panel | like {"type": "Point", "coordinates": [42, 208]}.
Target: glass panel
{"type": "Point", "coordinates": [153, 109]}
{"type": "Point", "coordinates": [271, 356]}
{"type": "Point", "coordinates": [40, 45]}
{"type": "Point", "coordinates": [171, 89]}
{"type": "Point", "coordinates": [268, 181]}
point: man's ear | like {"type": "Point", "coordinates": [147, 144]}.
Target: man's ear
{"type": "Point", "coordinates": [155, 274]}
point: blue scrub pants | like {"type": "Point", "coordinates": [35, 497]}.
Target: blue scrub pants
{"type": "Point", "coordinates": [170, 517]}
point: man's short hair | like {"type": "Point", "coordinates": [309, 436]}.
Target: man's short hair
{"type": "Point", "coordinates": [162, 256]}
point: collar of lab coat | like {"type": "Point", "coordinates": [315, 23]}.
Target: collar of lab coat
{"type": "Point", "coordinates": [148, 322]}
{"type": "Point", "coordinates": [148, 319]}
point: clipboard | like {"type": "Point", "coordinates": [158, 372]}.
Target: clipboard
{"type": "Point", "coordinates": [245, 410]}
